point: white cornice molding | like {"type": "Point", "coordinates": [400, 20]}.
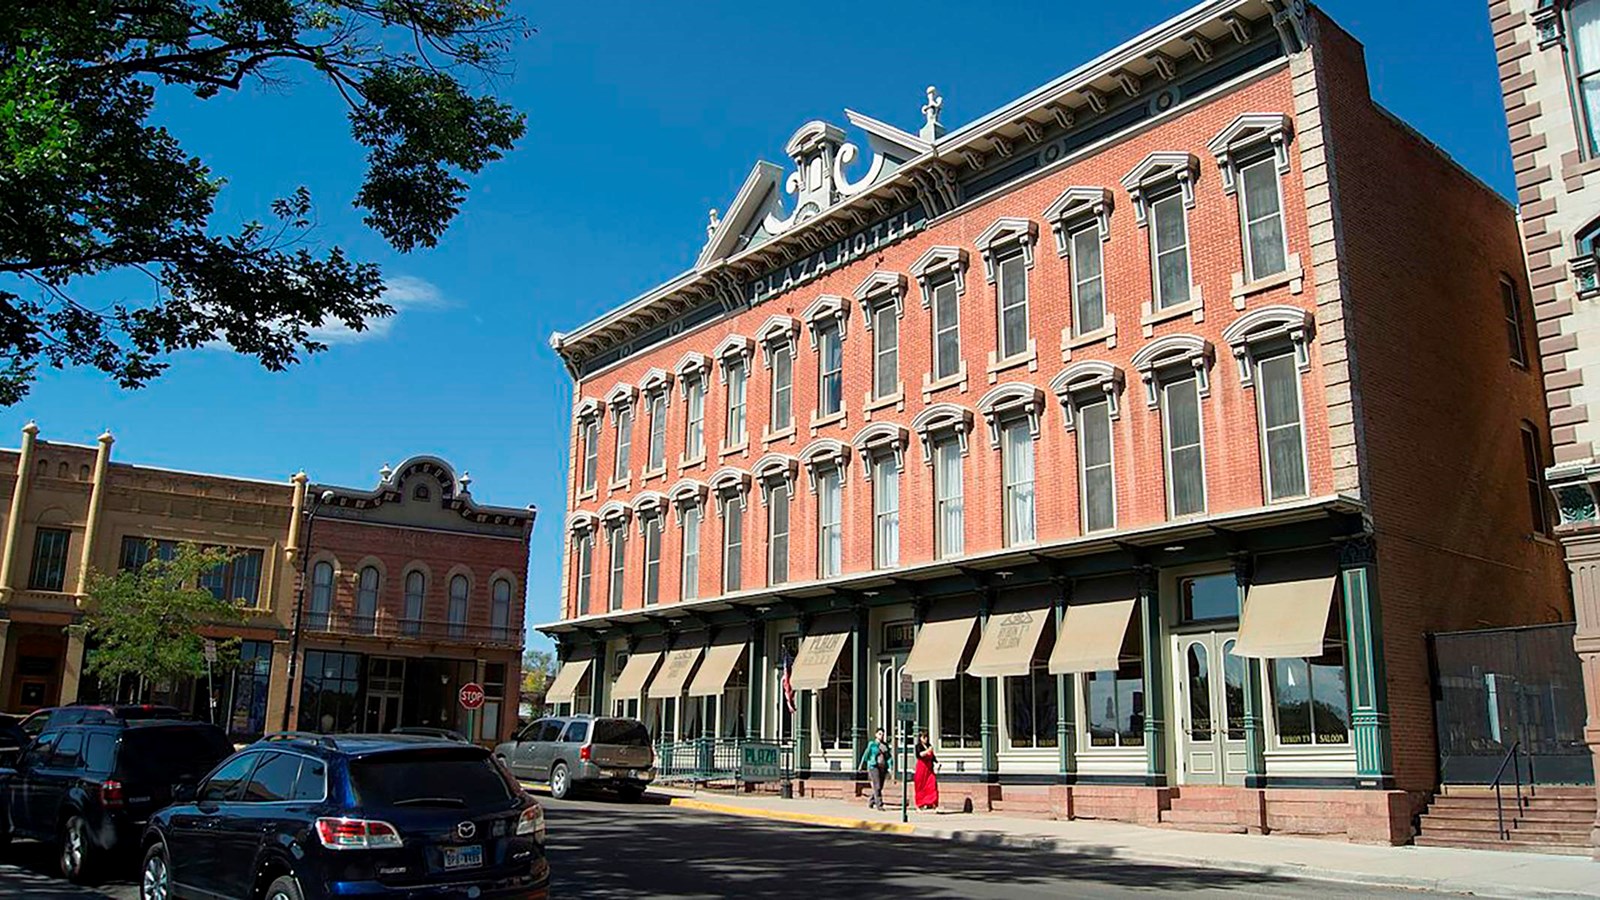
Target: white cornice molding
{"type": "Point", "coordinates": [940, 419]}
{"type": "Point", "coordinates": [1088, 376]}
{"type": "Point", "coordinates": [1076, 205]}
{"type": "Point", "coordinates": [1170, 351]}
{"type": "Point", "coordinates": [1248, 131]}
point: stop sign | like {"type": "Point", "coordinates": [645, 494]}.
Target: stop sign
{"type": "Point", "coordinates": [471, 695]}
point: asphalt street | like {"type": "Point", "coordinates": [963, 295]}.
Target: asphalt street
{"type": "Point", "coordinates": [603, 848]}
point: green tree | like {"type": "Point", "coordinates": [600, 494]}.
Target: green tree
{"type": "Point", "coordinates": [538, 669]}
{"type": "Point", "coordinates": [88, 186]}
{"type": "Point", "coordinates": [145, 624]}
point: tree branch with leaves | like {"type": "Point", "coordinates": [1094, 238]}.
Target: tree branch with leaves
{"type": "Point", "coordinates": [145, 624]}
{"type": "Point", "coordinates": [88, 186]}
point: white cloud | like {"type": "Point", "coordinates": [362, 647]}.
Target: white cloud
{"type": "Point", "coordinates": [404, 293]}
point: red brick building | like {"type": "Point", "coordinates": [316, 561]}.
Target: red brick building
{"type": "Point", "coordinates": [412, 589]}
{"type": "Point", "coordinates": [1149, 423]}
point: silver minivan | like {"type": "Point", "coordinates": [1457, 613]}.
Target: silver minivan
{"type": "Point", "coordinates": [572, 751]}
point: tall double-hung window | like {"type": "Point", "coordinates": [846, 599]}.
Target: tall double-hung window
{"type": "Point", "coordinates": [778, 532]}
{"type": "Point", "coordinates": [617, 542]}
{"type": "Point", "coordinates": [885, 511]}
{"type": "Point", "coordinates": [830, 523]}
{"type": "Point", "coordinates": [1583, 40]}
{"type": "Point", "coordinates": [650, 526]}
{"type": "Point", "coordinates": [1272, 346]}
{"type": "Point", "coordinates": [694, 424]}
{"type": "Point", "coordinates": [941, 274]}
{"type": "Point", "coordinates": [948, 490]}
{"type": "Point", "coordinates": [624, 456]}
{"type": "Point", "coordinates": [1007, 248]}
{"type": "Point", "coordinates": [690, 547]}
{"type": "Point", "coordinates": [1081, 220]}
{"type": "Point", "coordinates": [782, 387]}
{"type": "Point", "coordinates": [1252, 153]}
{"type": "Point", "coordinates": [1013, 412]}
{"type": "Point", "coordinates": [830, 370]}
{"type": "Point", "coordinates": [1181, 445]}
{"type": "Point", "coordinates": [1162, 190]}
{"type": "Point", "coordinates": [656, 459]}
{"type": "Point", "coordinates": [737, 377]}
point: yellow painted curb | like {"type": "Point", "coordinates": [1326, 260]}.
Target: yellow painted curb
{"type": "Point", "coordinates": [803, 818]}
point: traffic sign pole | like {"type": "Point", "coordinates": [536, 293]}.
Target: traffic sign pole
{"type": "Point", "coordinates": [471, 698]}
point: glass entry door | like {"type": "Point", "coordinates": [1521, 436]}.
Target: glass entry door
{"type": "Point", "coordinates": [386, 681]}
{"type": "Point", "coordinates": [1209, 686]}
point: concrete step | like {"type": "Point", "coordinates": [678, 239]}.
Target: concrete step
{"type": "Point", "coordinates": [1514, 845]}
{"type": "Point", "coordinates": [1489, 831]}
{"type": "Point", "coordinates": [1578, 820]}
{"type": "Point", "coordinates": [1568, 804]}
{"type": "Point", "coordinates": [1205, 827]}
{"type": "Point", "coordinates": [1553, 791]}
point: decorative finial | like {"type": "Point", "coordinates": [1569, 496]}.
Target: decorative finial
{"type": "Point", "coordinates": [930, 113]}
{"type": "Point", "coordinates": [31, 428]}
{"type": "Point", "coordinates": [385, 472]}
{"type": "Point", "coordinates": [712, 225]}
{"type": "Point", "coordinates": [105, 437]}
{"type": "Point", "coordinates": [466, 481]}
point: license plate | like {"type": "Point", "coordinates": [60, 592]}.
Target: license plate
{"type": "Point", "coordinates": [463, 857]}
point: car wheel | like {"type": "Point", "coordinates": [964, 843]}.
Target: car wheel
{"type": "Point", "coordinates": [560, 781]}
{"type": "Point", "coordinates": [76, 850]}
{"type": "Point", "coordinates": [155, 879]}
{"type": "Point", "coordinates": [284, 887]}
{"type": "Point", "coordinates": [630, 792]}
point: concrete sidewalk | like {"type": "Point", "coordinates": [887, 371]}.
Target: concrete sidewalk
{"type": "Point", "coordinates": [1477, 872]}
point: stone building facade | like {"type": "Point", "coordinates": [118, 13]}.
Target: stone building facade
{"type": "Point", "coordinates": [1549, 56]}
{"type": "Point", "coordinates": [1120, 420]}
{"type": "Point", "coordinates": [70, 511]}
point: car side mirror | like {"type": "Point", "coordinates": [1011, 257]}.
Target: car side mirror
{"type": "Point", "coordinates": [184, 793]}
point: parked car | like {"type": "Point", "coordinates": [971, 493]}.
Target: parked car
{"type": "Point", "coordinates": [305, 817]}
{"type": "Point", "coordinates": [443, 734]}
{"type": "Point", "coordinates": [85, 713]}
{"type": "Point", "coordinates": [12, 739]}
{"type": "Point", "coordinates": [91, 788]}
{"type": "Point", "coordinates": [572, 751]}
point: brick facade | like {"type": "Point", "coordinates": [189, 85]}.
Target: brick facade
{"type": "Point", "coordinates": [1411, 411]}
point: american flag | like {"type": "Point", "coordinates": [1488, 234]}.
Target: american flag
{"type": "Point", "coordinates": [788, 683]}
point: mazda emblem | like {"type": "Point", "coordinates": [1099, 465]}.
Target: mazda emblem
{"type": "Point", "coordinates": [466, 830]}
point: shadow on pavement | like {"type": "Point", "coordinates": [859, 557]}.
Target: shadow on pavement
{"type": "Point", "coordinates": [608, 850]}
{"type": "Point", "coordinates": [28, 869]}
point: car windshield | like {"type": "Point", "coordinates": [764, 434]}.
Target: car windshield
{"type": "Point", "coordinates": [621, 732]}
{"type": "Point", "coordinates": [435, 776]}
{"type": "Point", "coordinates": [172, 755]}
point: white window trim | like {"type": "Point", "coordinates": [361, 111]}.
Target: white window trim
{"type": "Point", "coordinates": [1270, 323]}
{"type": "Point", "coordinates": [1155, 175]}
{"type": "Point", "coordinates": [1174, 350]}
{"type": "Point", "coordinates": [932, 270]}
{"type": "Point", "coordinates": [1078, 208]}
{"type": "Point", "coordinates": [878, 439]}
{"type": "Point", "coordinates": [1088, 377]}
{"type": "Point", "coordinates": [876, 291]}
{"type": "Point", "coordinates": [1261, 437]}
{"type": "Point", "coordinates": [1007, 236]}
{"type": "Point", "coordinates": [1008, 400]}
{"type": "Point", "coordinates": [939, 420]}
{"type": "Point", "coordinates": [822, 454]}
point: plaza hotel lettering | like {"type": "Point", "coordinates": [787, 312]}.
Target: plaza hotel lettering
{"type": "Point", "coordinates": [833, 256]}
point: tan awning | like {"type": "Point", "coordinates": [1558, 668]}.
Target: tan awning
{"type": "Point", "coordinates": [1285, 619]}
{"type": "Point", "coordinates": [1091, 637]}
{"type": "Point", "coordinates": [674, 673]}
{"type": "Point", "coordinates": [936, 653]}
{"type": "Point", "coordinates": [565, 685]}
{"type": "Point", "coordinates": [713, 675]}
{"type": "Point", "coordinates": [1008, 643]}
{"type": "Point", "coordinates": [819, 653]}
{"type": "Point", "coordinates": [630, 684]}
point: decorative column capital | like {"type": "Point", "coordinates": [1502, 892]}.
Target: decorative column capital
{"type": "Point", "coordinates": [1360, 550]}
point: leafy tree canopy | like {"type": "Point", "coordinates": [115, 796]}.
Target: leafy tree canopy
{"type": "Point", "coordinates": [89, 186]}
{"type": "Point", "coordinates": [145, 624]}
{"type": "Point", "coordinates": [538, 670]}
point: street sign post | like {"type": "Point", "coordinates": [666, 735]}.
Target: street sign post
{"type": "Point", "coordinates": [906, 711]}
{"type": "Point", "coordinates": [209, 649]}
{"type": "Point", "coordinates": [471, 697]}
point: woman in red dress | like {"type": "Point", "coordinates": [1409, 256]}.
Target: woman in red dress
{"type": "Point", "coordinates": [926, 779]}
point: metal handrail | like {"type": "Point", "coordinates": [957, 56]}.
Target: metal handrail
{"type": "Point", "coordinates": [1499, 777]}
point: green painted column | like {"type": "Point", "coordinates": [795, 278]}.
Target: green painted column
{"type": "Point", "coordinates": [1369, 702]}
{"type": "Point", "coordinates": [802, 711]}
{"type": "Point", "coordinates": [1066, 704]}
{"type": "Point", "coordinates": [988, 728]}
{"type": "Point", "coordinates": [600, 683]}
{"type": "Point", "coordinates": [1155, 684]}
{"type": "Point", "coordinates": [861, 679]}
{"type": "Point", "coordinates": [1255, 758]}
{"type": "Point", "coordinates": [756, 669]}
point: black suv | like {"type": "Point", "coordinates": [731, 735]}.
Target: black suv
{"type": "Point", "coordinates": [91, 788]}
{"type": "Point", "coordinates": [93, 713]}
{"type": "Point", "coordinates": [296, 817]}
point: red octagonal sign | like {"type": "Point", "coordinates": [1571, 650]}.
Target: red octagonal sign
{"type": "Point", "coordinates": [471, 695]}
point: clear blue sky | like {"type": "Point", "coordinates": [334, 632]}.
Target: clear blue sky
{"type": "Point", "coordinates": [641, 117]}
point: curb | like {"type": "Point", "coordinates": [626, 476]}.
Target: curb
{"type": "Point", "coordinates": [802, 818]}
{"type": "Point", "coordinates": [1072, 848]}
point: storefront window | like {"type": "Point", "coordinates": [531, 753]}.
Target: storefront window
{"type": "Point", "coordinates": [494, 693]}
{"type": "Point", "coordinates": [1115, 699]}
{"type": "Point", "coordinates": [1311, 696]}
{"type": "Point", "coordinates": [247, 715]}
{"type": "Point", "coordinates": [1032, 704]}
{"type": "Point", "coordinates": [961, 712]}
{"type": "Point", "coordinates": [328, 692]}
{"type": "Point", "coordinates": [835, 706]}
{"type": "Point", "coordinates": [1210, 598]}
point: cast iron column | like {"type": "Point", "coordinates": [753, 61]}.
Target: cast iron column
{"type": "Point", "coordinates": [1155, 745]}
{"type": "Point", "coordinates": [1369, 702]}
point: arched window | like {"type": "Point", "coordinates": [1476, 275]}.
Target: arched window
{"type": "Point", "coordinates": [416, 582]}
{"type": "Point", "coordinates": [458, 606]}
{"type": "Point", "coordinates": [367, 601]}
{"type": "Point", "coordinates": [64, 471]}
{"type": "Point", "coordinates": [83, 473]}
{"type": "Point", "coordinates": [500, 610]}
{"type": "Point", "coordinates": [321, 595]}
